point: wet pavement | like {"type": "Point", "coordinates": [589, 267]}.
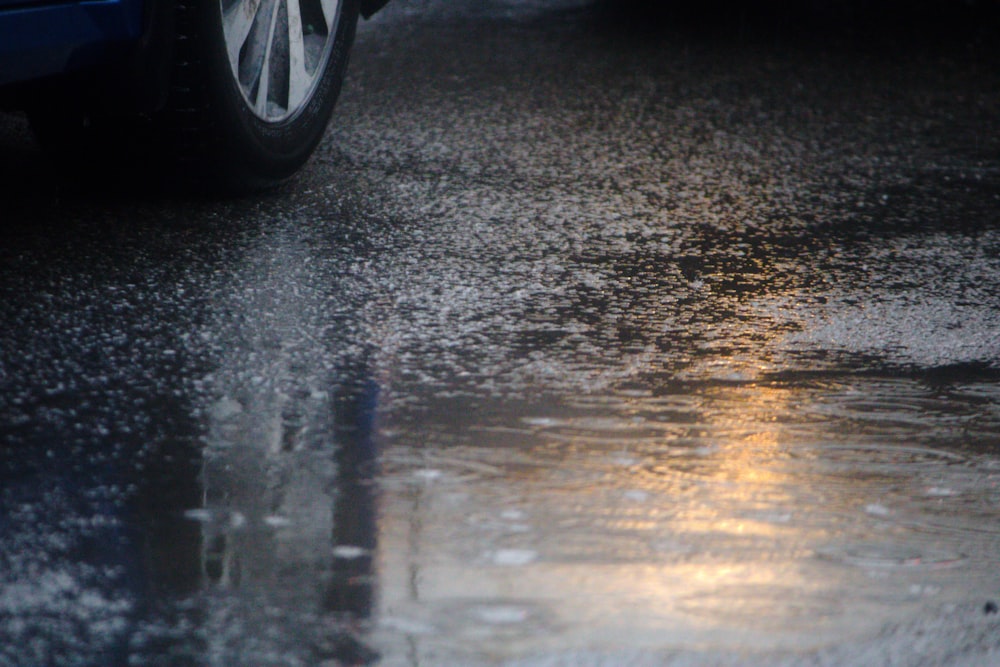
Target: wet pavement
{"type": "Point", "coordinates": [590, 337]}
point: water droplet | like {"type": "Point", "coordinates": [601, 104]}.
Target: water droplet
{"type": "Point", "coordinates": [406, 626]}
{"type": "Point", "coordinates": [349, 551]}
{"type": "Point", "coordinates": [514, 557]}
{"type": "Point", "coordinates": [875, 509]}
{"type": "Point", "coordinates": [276, 521]}
{"type": "Point", "coordinates": [940, 492]}
{"type": "Point", "coordinates": [428, 474]}
{"type": "Point", "coordinates": [201, 515]}
{"type": "Point", "coordinates": [501, 614]}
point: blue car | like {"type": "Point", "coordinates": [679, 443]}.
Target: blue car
{"type": "Point", "coordinates": [229, 92]}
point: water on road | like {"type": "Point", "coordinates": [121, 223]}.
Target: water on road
{"type": "Point", "coordinates": [585, 340]}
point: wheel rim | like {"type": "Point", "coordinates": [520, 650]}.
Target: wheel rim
{"type": "Point", "coordinates": [278, 51]}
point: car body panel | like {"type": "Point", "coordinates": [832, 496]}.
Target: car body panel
{"type": "Point", "coordinates": [38, 40]}
{"type": "Point", "coordinates": [21, 3]}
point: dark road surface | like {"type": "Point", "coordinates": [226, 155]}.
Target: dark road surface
{"type": "Point", "coordinates": [589, 337]}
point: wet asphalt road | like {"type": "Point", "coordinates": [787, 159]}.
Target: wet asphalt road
{"type": "Point", "coordinates": [589, 337]}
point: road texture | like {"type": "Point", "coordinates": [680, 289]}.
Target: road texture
{"type": "Point", "coordinates": [591, 336]}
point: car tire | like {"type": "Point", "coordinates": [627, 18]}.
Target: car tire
{"type": "Point", "coordinates": [252, 89]}
{"type": "Point", "coordinates": [222, 115]}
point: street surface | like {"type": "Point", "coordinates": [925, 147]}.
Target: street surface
{"type": "Point", "coordinates": [588, 337]}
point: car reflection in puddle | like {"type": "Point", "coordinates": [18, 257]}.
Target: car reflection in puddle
{"type": "Point", "coordinates": [287, 532]}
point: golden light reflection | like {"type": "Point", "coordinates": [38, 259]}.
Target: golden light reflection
{"type": "Point", "coordinates": [619, 534]}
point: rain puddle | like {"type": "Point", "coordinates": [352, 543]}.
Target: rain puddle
{"type": "Point", "coordinates": [739, 516]}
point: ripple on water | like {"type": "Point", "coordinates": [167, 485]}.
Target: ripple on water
{"type": "Point", "coordinates": [609, 431]}
{"type": "Point", "coordinates": [939, 493]}
{"type": "Point", "coordinates": [914, 554]}
{"type": "Point", "coordinates": [873, 457]}
{"type": "Point", "coordinates": [654, 451]}
{"type": "Point", "coordinates": [971, 515]}
{"type": "Point", "coordinates": [761, 605]}
{"type": "Point", "coordinates": [422, 467]}
{"type": "Point", "coordinates": [498, 618]}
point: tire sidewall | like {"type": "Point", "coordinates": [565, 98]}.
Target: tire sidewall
{"type": "Point", "coordinates": [255, 151]}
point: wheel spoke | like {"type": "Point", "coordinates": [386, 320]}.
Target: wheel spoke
{"type": "Point", "coordinates": [330, 13]}
{"type": "Point", "coordinates": [264, 83]}
{"type": "Point", "coordinates": [298, 78]}
{"type": "Point", "coordinates": [237, 22]}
